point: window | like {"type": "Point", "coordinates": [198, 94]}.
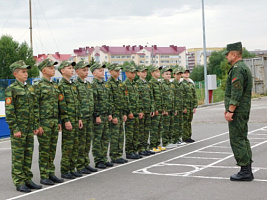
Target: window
{"type": "Point", "coordinates": [106, 57]}
{"type": "Point", "coordinates": [142, 56]}
{"type": "Point", "coordinates": [128, 56]}
{"type": "Point", "coordinates": [141, 61]}
{"type": "Point", "coordinates": [132, 57]}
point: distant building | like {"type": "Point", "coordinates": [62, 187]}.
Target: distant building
{"type": "Point", "coordinates": [259, 53]}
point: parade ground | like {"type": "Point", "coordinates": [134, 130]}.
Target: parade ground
{"type": "Point", "coordinates": [198, 171]}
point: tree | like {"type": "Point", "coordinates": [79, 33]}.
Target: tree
{"type": "Point", "coordinates": [10, 52]}
{"type": "Point", "coordinates": [214, 63]}
{"type": "Point", "coordinates": [197, 73]}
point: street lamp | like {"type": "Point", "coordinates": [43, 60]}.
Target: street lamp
{"type": "Point", "coordinates": [152, 54]}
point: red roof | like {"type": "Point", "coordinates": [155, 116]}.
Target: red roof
{"type": "Point", "coordinates": [83, 51]}
{"type": "Point", "coordinates": [57, 56]}
{"type": "Point", "coordinates": [171, 50]}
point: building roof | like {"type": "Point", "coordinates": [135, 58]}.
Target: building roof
{"type": "Point", "coordinates": [259, 52]}
{"type": "Point", "coordinates": [83, 51]}
{"type": "Point", "coordinates": [57, 56]}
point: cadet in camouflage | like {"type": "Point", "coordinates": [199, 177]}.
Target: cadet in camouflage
{"type": "Point", "coordinates": [101, 117]}
{"type": "Point", "coordinates": [86, 98]}
{"type": "Point", "coordinates": [147, 101]}
{"type": "Point", "coordinates": [134, 113]}
{"type": "Point", "coordinates": [47, 92]}
{"type": "Point", "coordinates": [156, 120]}
{"type": "Point", "coordinates": [118, 107]}
{"type": "Point", "coordinates": [190, 105]}
{"type": "Point", "coordinates": [179, 95]}
{"type": "Point", "coordinates": [168, 108]}
{"type": "Point", "coordinates": [70, 114]}
{"type": "Point", "coordinates": [237, 108]}
{"type": "Point", "coordinates": [21, 108]}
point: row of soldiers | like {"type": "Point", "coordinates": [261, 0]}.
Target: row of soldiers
{"type": "Point", "coordinates": [159, 111]}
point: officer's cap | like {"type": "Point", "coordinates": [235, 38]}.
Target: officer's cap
{"type": "Point", "coordinates": [46, 63]}
{"type": "Point", "coordinates": [233, 47]}
{"type": "Point", "coordinates": [19, 65]}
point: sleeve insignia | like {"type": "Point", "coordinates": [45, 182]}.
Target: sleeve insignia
{"type": "Point", "coordinates": [8, 100]}
{"type": "Point", "coordinates": [126, 92]}
{"type": "Point", "coordinates": [60, 97]}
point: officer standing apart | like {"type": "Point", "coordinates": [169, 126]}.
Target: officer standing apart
{"type": "Point", "coordinates": [47, 92]}
{"type": "Point", "coordinates": [237, 105]}
{"type": "Point", "coordinates": [20, 116]}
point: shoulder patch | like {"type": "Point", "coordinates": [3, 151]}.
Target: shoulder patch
{"type": "Point", "coordinates": [126, 92]}
{"type": "Point", "coordinates": [8, 100]}
{"type": "Point", "coordinates": [60, 97]}
{"type": "Point", "coordinates": [233, 80]}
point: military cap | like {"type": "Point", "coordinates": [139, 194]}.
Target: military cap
{"type": "Point", "coordinates": [46, 63]}
{"type": "Point", "coordinates": [154, 68]}
{"type": "Point", "coordinates": [166, 69]}
{"type": "Point", "coordinates": [114, 67]}
{"type": "Point", "coordinates": [187, 70]}
{"type": "Point", "coordinates": [65, 63]}
{"type": "Point", "coordinates": [177, 71]}
{"type": "Point", "coordinates": [141, 68]}
{"type": "Point", "coordinates": [96, 66]}
{"type": "Point", "coordinates": [82, 64]}
{"type": "Point", "coordinates": [233, 47]}
{"type": "Point", "coordinates": [19, 65]}
{"type": "Point", "coordinates": [129, 68]}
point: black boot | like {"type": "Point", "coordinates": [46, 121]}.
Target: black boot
{"type": "Point", "coordinates": [245, 174]}
{"type": "Point", "coordinates": [250, 167]}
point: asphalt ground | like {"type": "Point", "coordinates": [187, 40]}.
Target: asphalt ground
{"type": "Point", "coordinates": [200, 170]}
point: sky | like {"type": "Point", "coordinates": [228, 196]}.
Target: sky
{"type": "Point", "coordinates": [65, 25]}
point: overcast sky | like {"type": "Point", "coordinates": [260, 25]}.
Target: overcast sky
{"type": "Point", "coordinates": [64, 25]}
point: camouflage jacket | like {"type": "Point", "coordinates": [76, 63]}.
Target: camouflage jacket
{"type": "Point", "coordinates": [179, 95]}
{"type": "Point", "coordinates": [190, 99]}
{"type": "Point", "coordinates": [238, 87]}
{"type": "Point", "coordinates": [156, 89]}
{"type": "Point", "coordinates": [86, 97]}
{"type": "Point", "coordinates": [146, 96]}
{"type": "Point", "coordinates": [68, 101]}
{"type": "Point", "coordinates": [167, 96]}
{"type": "Point", "coordinates": [47, 98]}
{"type": "Point", "coordinates": [117, 97]}
{"type": "Point", "coordinates": [21, 107]}
{"type": "Point", "coordinates": [101, 98]}
{"type": "Point", "coordinates": [132, 97]}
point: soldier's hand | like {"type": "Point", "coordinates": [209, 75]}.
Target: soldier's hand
{"type": "Point", "coordinates": [185, 110]}
{"type": "Point", "coordinates": [194, 110]}
{"type": "Point", "coordinates": [109, 117]}
{"type": "Point", "coordinates": [229, 116]}
{"type": "Point", "coordinates": [166, 113]}
{"type": "Point", "coordinates": [68, 126]}
{"type": "Point", "coordinates": [141, 115]}
{"type": "Point", "coordinates": [80, 124]}
{"type": "Point", "coordinates": [98, 120]}
{"type": "Point", "coordinates": [36, 132]}
{"type": "Point", "coordinates": [175, 114]}
{"type": "Point", "coordinates": [115, 120]}
{"type": "Point", "coordinates": [59, 127]}
{"type": "Point", "coordinates": [152, 114]}
{"type": "Point", "coordinates": [131, 116]}
{"type": "Point", "coordinates": [157, 113]}
{"type": "Point", "coordinates": [41, 130]}
{"type": "Point", "coordinates": [17, 135]}
{"type": "Point", "coordinates": [124, 118]}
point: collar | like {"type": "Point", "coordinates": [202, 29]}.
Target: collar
{"type": "Point", "coordinates": [20, 83]}
{"type": "Point", "coordinates": [66, 81]}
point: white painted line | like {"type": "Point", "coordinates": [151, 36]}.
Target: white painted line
{"type": "Point", "coordinates": [191, 157]}
{"type": "Point", "coordinates": [227, 153]}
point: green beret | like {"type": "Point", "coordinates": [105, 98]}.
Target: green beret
{"type": "Point", "coordinates": [233, 47]}
{"type": "Point", "coordinates": [96, 66]}
{"type": "Point", "coordinates": [82, 64]}
{"type": "Point", "coordinates": [154, 68]}
{"type": "Point", "coordinates": [166, 69]}
{"type": "Point", "coordinates": [65, 63]}
{"type": "Point", "coordinates": [141, 68]}
{"type": "Point", "coordinates": [46, 63]}
{"type": "Point", "coordinates": [19, 65]}
{"type": "Point", "coordinates": [129, 68]}
{"type": "Point", "coordinates": [114, 67]}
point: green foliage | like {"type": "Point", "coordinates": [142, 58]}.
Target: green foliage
{"type": "Point", "coordinates": [10, 52]}
{"type": "Point", "coordinates": [92, 61]}
{"type": "Point", "coordinates": [214, 63]}
{"type": "Point", "coordinates": [197, 73]}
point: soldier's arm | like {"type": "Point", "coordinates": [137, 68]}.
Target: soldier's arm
{"type": "Point", "coordinates": [96, 101]}
{"type": "Point", "coordinates": [236, 86]}
{"type": "Point", "coordinates": [11, 117]}
{"type": "Point", "coordinates": [129, 110]}
{"type": "Point", "coordinates": [63, 105]}
{"type": "Point", "coordinates": [194, 96]}
{"type": "Point", "coordinates": [37, 92]}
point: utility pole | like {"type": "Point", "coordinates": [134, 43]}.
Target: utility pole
{"type": "Point", "coordinates": [205, 57]}
{"type": "Point", "coordinates": [30, 9]}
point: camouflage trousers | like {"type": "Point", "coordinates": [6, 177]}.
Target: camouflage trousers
{"type": "Point", "coordinates": [131, 135]}
{"type": "Point", "coordinates": [22, 149]}
{"type": "Point", "coordinates": [144, 129]}
{"type": "Point", "coordinates": [47, 147]}
{"type": "Point", "coordinates": [101, 139]}
{"type": "Point", "coordinates": [85, 137]}
{"type": "Point", "coordinates": [167, 128]}
{"type": "Point", "coordinates": [177, 130]}
{"type": "Point", "coordinates": [117, 139]}
{"type": "Point", "coordinates": [155, 131]}
{"type": "Point", "coordinates": [69, 147]}
{"type": "Point", "coordinates": [187, 127]}
{"type": "Point", "coordinates": [238, 132]}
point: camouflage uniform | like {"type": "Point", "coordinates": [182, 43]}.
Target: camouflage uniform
{"type": "Point", "coordinates": [238, 92]}
{"type": "Point", "coordinates": [168, 106]}
{"type": "Point", "coordinates": [47, 97]}
{"type": "Point", "coordinates": [101, 136]}
{"type": "Point", "coordinates": [86, 99]}
{"type": "Point", "coordinates": [69, 112]}
{"type": "Point", "coordinates": [190, 102]}
{"type": "Point", "coordinates": [179, 94]}
{"type": "Point", "coordinates": [147, 101]}
{"type": "Point", "coordinates": [156, 121]}
{"type": "Point", "coordinates": [134, 107]}
{"type": "Point", "coordinates": [20, 106]}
